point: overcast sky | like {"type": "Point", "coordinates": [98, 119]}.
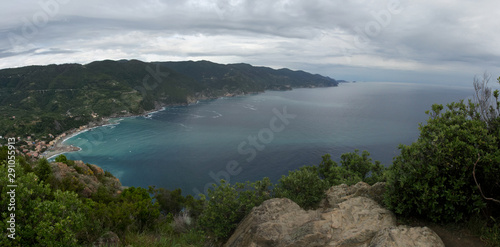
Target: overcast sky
{"type": "Point", "coordinates": [364, 40]}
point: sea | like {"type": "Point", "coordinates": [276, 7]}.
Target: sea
{"type": "Point", "coordinates": [247, 138]}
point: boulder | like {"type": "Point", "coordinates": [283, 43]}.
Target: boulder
{"type": "Point", "coordinates": [350, 216]}
{"type": "Point", "coordinates": [275, 222]}
{"type": "Point", "coordinates": [407, 236]}
{"type": "Point", "coordinates": [340, 193]}
{"type": "Point", "coordinates": [281, 222]}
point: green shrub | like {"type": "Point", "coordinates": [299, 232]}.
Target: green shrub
{"type": "Point", "coordinates": [229, 204]}
{"type": "Point", "coordinates": [61, 158]}
{"type": "Point", "coordinates": [334, 174]}
{"type": "Point", "coordinates": [108, 174]}
{"type": "Point", "coordinates": [170, 201]}
{"type": "Point", "coordinates": [433, 177]}
{"type": "Point", "coordinates": [79, 170]}
{"type": "Point", "coordinates": [354, 168]}
{"type": "Point", "coordinates": [58, 221]}
{"type": "Point", "coordinates": [140, 206]}
{"type": "Point", "coordinates": [43, 170]}
{"type": "Point", "coordinates": [303, 186]}
{"type": "Point", "coordinates": [363, 166]}
{"type": "Point", "coordinates": [42, 218]}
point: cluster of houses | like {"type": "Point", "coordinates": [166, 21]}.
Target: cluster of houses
{"type": "Point", "coordinates": [34, 147]}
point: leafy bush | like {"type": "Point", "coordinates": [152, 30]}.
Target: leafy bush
{"type": "Point", "coordinates": [58, 220]}
{"type": "Point", "coordinates": [170, 201]}
{"type": "Point", "coordinates": [61, 158]}
{"type": "Point", "coordinates": [354, 168]}
{"type": "Point", "coordinates": [334, 174]}
{"type": "Point", "coordinates": [229, 204]}
{"type": "Point", "coordinates": [140, 206]}
{"type": "Point", "coordinates": [433, 177]}
{"type": "Point", "coordinates": [303, 186]}
{"type": "Point", "coordinates": [43, 170]}
{"type": "Point", "coordinates": [42, 218]}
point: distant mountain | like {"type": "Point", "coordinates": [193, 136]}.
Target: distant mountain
{"type": "Point", "coordinates": [55, 98]}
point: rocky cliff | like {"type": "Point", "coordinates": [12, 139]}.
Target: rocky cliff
{"type": "Point", "coordinates": [349, 216]}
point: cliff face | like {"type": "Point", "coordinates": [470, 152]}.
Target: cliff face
{"type": "Point", "coordinates": [350, 216]}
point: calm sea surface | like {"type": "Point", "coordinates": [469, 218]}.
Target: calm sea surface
{"type": "Point", "coordinates": [263, 135]}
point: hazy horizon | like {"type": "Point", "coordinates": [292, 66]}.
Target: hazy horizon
{"type": "Point", "coordinates": [393, 40]}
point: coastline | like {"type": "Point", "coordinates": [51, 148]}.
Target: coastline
{"type": "Point", "coordinates": [59, 147]}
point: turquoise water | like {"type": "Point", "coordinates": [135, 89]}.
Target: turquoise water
{"type": "Point", "coordinates": [249, 137]}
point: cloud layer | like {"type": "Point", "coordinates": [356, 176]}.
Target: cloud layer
{"type": "Point", "coordinates": [392, 40]}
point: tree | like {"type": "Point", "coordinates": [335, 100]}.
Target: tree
{"type": "Point", "coordinates": [487, 108]}
{"type": "Point", "coordinates": [170, 201]}
{"type": "Point", "coordinates": [140, 206]}
{"type": "Point", "coordinates": [43, 170]}
{"type": "Point", "coordinates": [433, 177]}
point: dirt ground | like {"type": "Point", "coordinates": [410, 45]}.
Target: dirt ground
{"type": "Point", "coordinates": [452, 236]}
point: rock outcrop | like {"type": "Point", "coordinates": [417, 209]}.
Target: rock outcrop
{"type": "Point", "coordinates": [349, 216]}
{"type": "Point", "coordinates": [85, 178]}
{"type": "Point", "coordinates": [406, 236]}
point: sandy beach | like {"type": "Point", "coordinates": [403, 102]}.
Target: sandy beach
{"type": "Point", "coordinates": [60, 148]}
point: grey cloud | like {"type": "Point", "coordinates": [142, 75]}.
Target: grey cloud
{"type": "Point", "coordinates": [315, 34]}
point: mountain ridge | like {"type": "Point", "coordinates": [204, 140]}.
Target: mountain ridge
{"type": "Point", "coordinates": [43, 99]}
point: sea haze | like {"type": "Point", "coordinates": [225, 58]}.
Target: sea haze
{"type": "Point", "coordinates": [188, 146]}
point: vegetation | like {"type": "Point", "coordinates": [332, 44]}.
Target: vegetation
{"type": "Point", "coordinates": [228, 204]}
{"type": "Point", "coordinates": [450, 174]}
{"type": "Point", "coordinates": [303, 186]}
{"type": "Point", "coordinates": [38, 100]}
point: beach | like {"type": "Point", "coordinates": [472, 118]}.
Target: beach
{"type": "Point", "coordinates": [59, 147]}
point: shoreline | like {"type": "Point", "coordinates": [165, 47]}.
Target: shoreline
{"type": "Point", "coordinates": [59, 147]}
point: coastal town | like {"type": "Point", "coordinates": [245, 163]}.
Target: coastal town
{"type": "Point", "coordinates": [48, 146]}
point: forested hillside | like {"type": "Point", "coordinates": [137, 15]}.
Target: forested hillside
{"type": "Point", "coordinates": [51, 99]}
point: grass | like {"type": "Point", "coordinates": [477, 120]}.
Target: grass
{"type": "Point", "coordinates": [165, 236]}
{"type": "Point", "coordinates": [489, 232]}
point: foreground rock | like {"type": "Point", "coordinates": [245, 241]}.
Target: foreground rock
{"type": "Point", "coordinates": [406, 236]}
{"type": "Point", "coordinates": [350, 216]}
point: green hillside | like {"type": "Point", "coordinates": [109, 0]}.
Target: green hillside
{"type": "Point", "coordinates": [51, 99]}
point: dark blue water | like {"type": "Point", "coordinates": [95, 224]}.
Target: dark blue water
{"type": "Point", "coordinates": [250, 137]}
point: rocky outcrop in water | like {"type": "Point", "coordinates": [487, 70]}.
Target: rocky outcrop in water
{"type": "Point", "coordinates": [349, 216]}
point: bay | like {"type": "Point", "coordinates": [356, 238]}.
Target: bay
{"type": "Point", "coordinates": [249, 137]}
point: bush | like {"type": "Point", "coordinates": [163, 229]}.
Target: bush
{"type": "Point", "coordinates": [59, 220]}
{"type": "Point", "coordinates": [302, 186]}
{"type": "Point", "coordinates": [61, 158]}
{"type": "Point", "coordinates": [170, 201]}
{"type": "Point", "coordinates": [335, 175]}
{"type": "Point", "coordinates": [354, 168]}
{"type": "Point", "coordinates": [229, 204]}
{"type": "Point", "coordinates": [433, 177]}
{"type": "Point", "coordinates": [43, 170]}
